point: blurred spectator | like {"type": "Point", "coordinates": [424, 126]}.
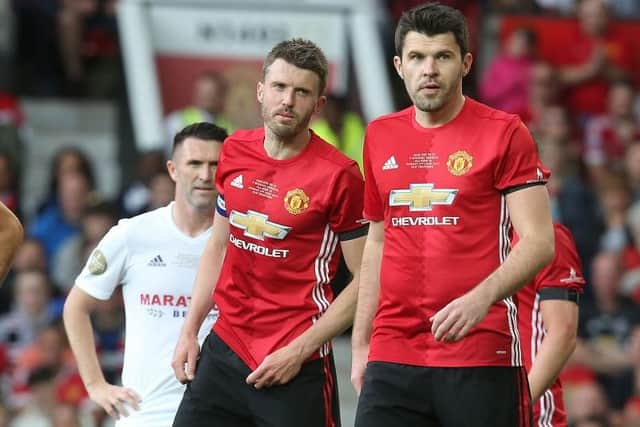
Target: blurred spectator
{"type": "Point", "coordinates": [87, 37]}
{"type": "Point", "coordinates": [162, 190]}
{"type": "Point", "coordinates": [543, 93]}
{"type": "Point", "coordinates": [41, 408]}
{"type": "Point", "coordinates": [98, 218]}
{"type": "Point", "coordinates": [572, 202]}
{"type": "Point", "coordinates": [66, 160]}
{"type": "Point", "coordinates": [30, 256]}
{"type": "Point", "coordinates": [608, 136]}
{"type": "Point", "coordinates": [209, 102]}
{"type": "Point", "coordinates": [9, 191]}
{"type": "Point", "coordinates": [65, 416]}
{"type": "Point", "coordinates": [60, 222]}
{"type": "Point", "coordinates": [594, 421]}
{"type": "Point", "coordinates": [632, 169]}
{"type": "Point", "coordinates": [593, 57]}
{"type": "Point", "coordinates": [614, 199]}
{"type": "Point", "coordinates": [632, 413]}
{"type": "Point", "coordinates": [50, 349]}
{"type": "Point", "coordinates": [31, 311]}
{"type": "Point", "coordinates": [135, 198]}
{"type": "Point", "coordinates": [586, 401]}
{"type": "Point", "coordinates": [605, 329]}
{"type": "Point", "coordinates": [342, 128]}
{"type": "Point", "coordinates": [5, 416]}
{"type": "Point", "coordinates": [630, 283]}
{"type": "Point", "coordinates": [505, 83]}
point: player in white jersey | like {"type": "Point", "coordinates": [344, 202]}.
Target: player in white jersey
{"type": "Point", "coordinates": [154, 257]}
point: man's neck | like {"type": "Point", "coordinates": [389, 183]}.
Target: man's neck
{"type": "Point", "coordinates": [280, 149]}
{"type": "Point", "coordinates": [191, 221]}
{"type": "Point", "coordinates": [433, 119]}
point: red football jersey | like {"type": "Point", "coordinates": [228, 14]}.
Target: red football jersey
{"type": "Point", "coordinates": [560, 279]}
{"type": "Point", "coordinates": [286, 218]}
{"type": "Point", "coordinates": [441, 194]}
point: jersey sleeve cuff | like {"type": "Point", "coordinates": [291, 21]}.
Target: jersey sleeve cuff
{"type": "Point", "coordinates": [522, 187]}
{"type": "Point", "coordinates": [559, 294]}
{"type": "Point", "coordinates": [354, 234]}
{"type": "Point", "coordinates": [91, 291]}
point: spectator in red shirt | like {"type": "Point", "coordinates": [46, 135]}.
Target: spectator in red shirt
{"type": "Point", "coordinates": [608, 136]}
{"type": "Point", "coordinates": [589, 60]}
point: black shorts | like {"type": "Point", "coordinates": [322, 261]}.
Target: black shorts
{"type": "Point", "coordinates": [219, 395]}
{"type": "Point", "coordinates": [414, 396]}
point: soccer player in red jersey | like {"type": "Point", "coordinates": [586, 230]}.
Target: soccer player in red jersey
{"type": "Point", "coordinates": [548, 325]}
{"type": "Point", "coordinates": [11, 235]}
{"type": "Point", "coordinates": [289, 202]}
{"type": "Point", "coordinates": [445, 181]}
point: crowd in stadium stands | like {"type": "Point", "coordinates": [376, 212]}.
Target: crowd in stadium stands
{"type": "Point", "coordinates": [581, 104]}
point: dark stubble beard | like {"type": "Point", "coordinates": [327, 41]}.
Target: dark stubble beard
{"type": "Point", "coordinates": [282, 131]}
{"type": "Point", "coordinates": [432, 104]}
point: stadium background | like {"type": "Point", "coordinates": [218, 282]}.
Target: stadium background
{"type": "Point", "coordinates": [88, 89]}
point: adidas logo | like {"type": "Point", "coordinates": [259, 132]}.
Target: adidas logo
{"type": "Point", "coordinates": [390, 164]}
{"type": "Point", "coordinates": [237, 182]}
{"type": "Point", "coordinates": [157, 261]}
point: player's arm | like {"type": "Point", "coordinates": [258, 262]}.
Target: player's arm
{"type": "Point", "coordinates": [11, 235]}
{"type": "Point", "coordinates": [560, 318]}
{"type": "Point", "coordinates": [187, 348]}
{"type": "Point", "coordinates": [531, 218]}
{"type": "Point", "coordinates": [77, 322]}
{"type": "Point", "coordinates": [282, 365]}
{"type": "Point", "coordinates": [367, 302]}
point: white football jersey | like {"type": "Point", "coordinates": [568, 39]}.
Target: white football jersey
{"type": "Point", "coordinates": [156, 265]}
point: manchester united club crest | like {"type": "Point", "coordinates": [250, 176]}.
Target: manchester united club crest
{"type": "Point", "coordinates": [459, 162]}
{"type": "Point", "coordinates": [296, 201]}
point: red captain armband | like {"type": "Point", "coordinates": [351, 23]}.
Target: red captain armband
{"type": "Point", "coordinates": [559, 294]}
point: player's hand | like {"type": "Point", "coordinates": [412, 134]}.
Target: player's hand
{"type": "Point", "coordinates": [455, 320]}
{"type": "Point", "coordinates": [185, 358]}
{"type": "Point", "coordinates": [114, 399]}
{"type": "Point", "coordinates": [359, 356]}
{"type": "Point", "coordinates": [277, 368]}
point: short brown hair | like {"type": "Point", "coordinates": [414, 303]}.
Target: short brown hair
{"type": "Point", "coordinates": [433, 19]}
{"type": "Point", "coordinates": [303, 54]}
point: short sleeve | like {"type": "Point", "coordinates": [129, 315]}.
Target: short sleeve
{"type": "Point", "coordinates": [564, 271]}
{"type": "Point", "coordinates": [347, 197]}
{"type": "Point", "coordinates": [373, 206]}
{"type": "Point", "coordinates": [106, 266]}
{"type": "Point", "coordinates": [221, 171]}
{"type": "Point", "coordinates": [518, 162]}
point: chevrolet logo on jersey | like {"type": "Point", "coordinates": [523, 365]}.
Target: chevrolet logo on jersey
{"type": "Point", "coordinates": [256, 225]}
{"type": "Point", "coordinates": [422, 197]}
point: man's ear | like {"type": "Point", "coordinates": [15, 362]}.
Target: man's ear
{"type": "Point", "coordinates": [260, 92]}
{"type": "Point", "coordinates": [397, 64]}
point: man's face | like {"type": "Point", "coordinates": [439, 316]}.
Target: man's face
{"type": "Point", "coordinates": [209, 95]}
{"type": "Point", "coordinates": [193, 169]}
{"type": "Point", "coordinates": [432, 69]}
{"type": "Point", "coordinates": [593, 16]}
{"type": "Point", "coordinates": [289, 97]}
